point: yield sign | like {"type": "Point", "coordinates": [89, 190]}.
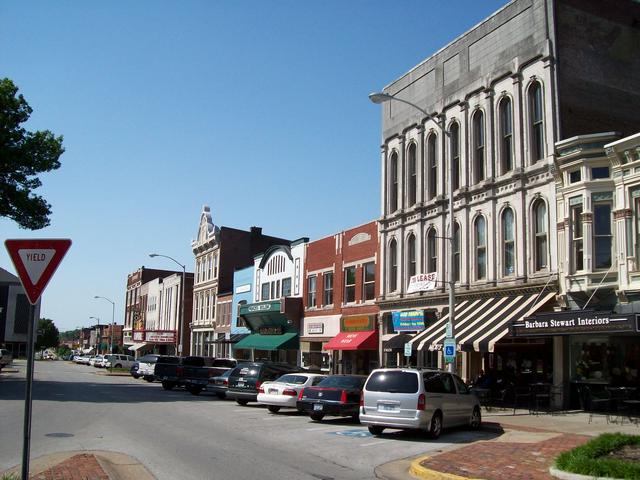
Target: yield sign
{"type": "Point", "coordinates": [36, 261]}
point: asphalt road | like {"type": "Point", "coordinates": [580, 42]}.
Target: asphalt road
{"type": "Point", "coordinates": [180, 436]}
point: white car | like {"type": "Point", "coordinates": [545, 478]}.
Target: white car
{"type": "Point", "coordinates": [96, 359]}
{"type": "Point", "coordinates": [117, 361]}
{"type": "Point", "coordinates": [147, 366]}
{"type": "Point", "coordinates": [5, 358]}
{"type": "Point", "coordinates": [83, 359]}
{"type": "Point", "coordinates": [284, 391]}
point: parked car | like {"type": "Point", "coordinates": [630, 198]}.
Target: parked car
{"type": "Point", "coordinates": [422, 399]}
{"type": "Point", "coordinates": [117, 361]}
{"type": "Point", "coordinates": [246, 378]}
{"type": "Point", "coordinates": [220, 384]}
{"type": "Point", "coordinates": [337, 395]}
{"type": "Point", "coordinates": [94, 360]}
{"type": "Point", "coordinates": [284, 391]}
{"type": "Point", "coordinates": [5, 358]}
{"type": "Point", "coordinates": [147, 366]}
{"type": "Point", "coordinates": [133, 371]}
{"type": "Point", "coordinates": [166, 371]}
{"type": "Point", "coordinates": [196, 371]}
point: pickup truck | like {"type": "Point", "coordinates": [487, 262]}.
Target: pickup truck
{"type": "Point", "coordinates": [166, 370]}
{"type": "Point", "coordinates": [196, 375]}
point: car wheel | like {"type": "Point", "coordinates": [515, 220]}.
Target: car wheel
{"type": "Point", "coordinates": [242, 402]}
{"type": "Point", "coordinates": [316, 417]}
{"type": "Point", "coordinates": [168, 385]}
{"type": "Point", "coordinates": [475, 422]}
{"type": "Point", "coordinates": [195, 390]}
{"type": "Point", "coordinates": [118, 366]}
{"type": "Point", "coordinates": [376, 429]}
{"type": "Point", "coordinates": [273, 408]}
{"type": "Point", "coordinates": [135, 375]}
{"type": "Point", "coordinates": [148, 378]}
{"type": "Point", "coordinates": [435, 427]}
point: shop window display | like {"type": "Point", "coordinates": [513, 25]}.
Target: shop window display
{"type": "Point", "coordinates": [610, 360]}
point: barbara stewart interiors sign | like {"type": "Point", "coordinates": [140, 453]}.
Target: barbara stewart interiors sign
{"type": "Point", "coordinates": [574, 322]}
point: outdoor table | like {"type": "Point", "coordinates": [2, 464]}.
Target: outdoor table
{"type": "Point", "coordinates": [484, 396]}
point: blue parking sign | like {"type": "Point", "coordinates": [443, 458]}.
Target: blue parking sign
{"type": "Point", "coordinates": [449, 350]}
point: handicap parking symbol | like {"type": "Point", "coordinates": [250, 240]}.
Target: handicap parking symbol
{"type": "Point", "coordinates": [449, 350]}
{"type": "Point", "coordinates": [352, 433]}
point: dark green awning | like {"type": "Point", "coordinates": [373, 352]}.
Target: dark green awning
{"type": "Point", "coordinates": [286, 341]}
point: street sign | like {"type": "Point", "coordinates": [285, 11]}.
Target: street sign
{"type": "Point", "coordinates": [407, 349]}
{"type": "Point", "coordinates": [36, 261]}
{"type": "Point", "coordinates": [449, 350]}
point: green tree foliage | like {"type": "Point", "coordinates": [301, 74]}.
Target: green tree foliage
{"type": "Point", "coordinates": [49, 336]}
{"type": "Point", "coordinates": [23, 155]}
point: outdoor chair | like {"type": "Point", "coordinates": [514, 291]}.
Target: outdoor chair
{"type": "Point", "coordinates": [597, 402]}
{"type": "Point", "coordinates": [541, 398]}
{"type": "Point", "coordinates": [521, 395]}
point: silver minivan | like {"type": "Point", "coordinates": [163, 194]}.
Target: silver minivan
{"type": "Point", "coordinates": [417, 399]}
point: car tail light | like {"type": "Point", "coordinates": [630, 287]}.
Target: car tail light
{"type": "Point", "coordinates": [422, 401]}
{"type": "Point", "coordinates": [225, 382]}
{"type": "Point", "coordinates": [343, 396]}
{"type": "Point", "coordinates": [260, 389]}
{"type": "Point", "coordinates": [258, 385]}
{"type": "Point", "coordinates": [362, 399]}
{"type": "Point", "coordinates": [289, 392]}
{"type": "Point", "coordinates": [301, 394]}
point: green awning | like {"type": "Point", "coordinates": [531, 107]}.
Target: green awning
{"type": "Point", "coordinates": [286, 341]}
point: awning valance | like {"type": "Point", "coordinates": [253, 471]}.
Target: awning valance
{"type": "Point", "coordinates": [353, 341]}
{"type": "Point", "coordinates": [479, 324]}
{"type": "Point", "coordinates": [286, 341]}
{"type": "Point", "coordinates": [397, 342]}
{"type": "Point", "coordinates": [137, 346]}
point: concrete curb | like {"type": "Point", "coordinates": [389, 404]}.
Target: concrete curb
{"type": "Point", "coordinates": [561, 474]}
{"type": "Point", "coordinates": [417, 470]}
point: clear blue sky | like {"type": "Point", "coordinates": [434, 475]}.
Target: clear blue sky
{"type": "Point", "coordinates": [258, 109]}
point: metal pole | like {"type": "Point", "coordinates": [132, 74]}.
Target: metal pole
{"type": "Point", "coordinates": [180, 325]}
{"type": "Point", "coordinates": [452, 300]}
{"type": "Point", "coordinates": [113, 323]}
{"type": "Point", "coordinates": [26, 445]}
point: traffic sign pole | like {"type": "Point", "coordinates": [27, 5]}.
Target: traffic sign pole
{"type": "Point", "coordinates": [26, 445]}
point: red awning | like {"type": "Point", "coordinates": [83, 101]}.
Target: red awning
{"type": "Point", "coordinates": [353, 341]}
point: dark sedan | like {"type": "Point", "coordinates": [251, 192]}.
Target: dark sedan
{"type": "Point", "coordinates": [337, 395]}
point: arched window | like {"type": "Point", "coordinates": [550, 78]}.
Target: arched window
{"type": "Point", "coordinates": [413, 177]}
{"type": "Point", "coordinates": [536, 122]}
{"type": "Point", "coordinates": [393, 266]}
{"type": "Point", "coordinates": [540, 234]}
{"type": "Point", "coordinates": [393, 183]}
{"type": "Point", "coordinates": [480, 234]}
{"type": "Point", "coordinates": [456, 252]}
{"type": "Point", "coordinates": [508, 243]}
{"type": "Point", "coordinates": [432, 255]}
{"type": "Point", "coordinates": [478, 146]}
{"type": "Point", "coordinates": [432, 162]}
{"type": "Point", "coordinates": [411, 257]}
{"type": "Point", "coordinates": [454, 137]}
{"type": "Point", "coordinates": [506, 135]}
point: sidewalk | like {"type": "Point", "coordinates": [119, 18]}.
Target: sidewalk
{"type": "Point", "coordinates": [85, 465]}
{"type": "Point", "coordinates": [526, 448]}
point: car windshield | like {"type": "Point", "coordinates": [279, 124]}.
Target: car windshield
{"type": "Point", "coordinates": [393, 382]}
{"type": "Point", "coordinates": [295, 379]}
{"type": "Point", "coordinates": [339, 381]}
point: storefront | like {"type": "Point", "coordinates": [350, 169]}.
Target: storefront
{"type": "Point", "coordinates": [356, 346]}
{"type": "Point", "coordinates": [598, 348]}
{"type": "Point", "coordinates": [405, 325]}
{"type": "Point", "coordinates": [316, 333]}
{"type": "Point", "coordinates": [274, 331]}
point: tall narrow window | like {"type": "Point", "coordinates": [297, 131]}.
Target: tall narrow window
{"type": "Point", "coordinates": [536, 124]}
{"type": "Point", "coordinates": [540, 234]}
{"type": "Point", "coordinates": [431, 251]}
{"type": "Point", "coordinates": [411, 257]}
{"type": "Point", "coordinates": [327, 295]}
{"type": "Point", "coordinates": [506, 135]}
{"type": "Point", "coordinates": [413, 174]}
{"type": "Point", "coordinates": [455, 154]}
{"type": "Point", "coordinates": [602, 239]}
{"type": "Point", "coordinates": [508, 239]}
{"type": "Point", "coordinates": [456, 252]}
{"type": "Point", "coordinates": [481, 248]}
{"type": "Point", "coordinates": [311, 291]}
{"type": "Point", "coordinates": [577, 245]}
{"type": "Point", "coordinates": [478, 146]}
{"type": "Point", "coordinates": [349, 284]}
{"type": "Point", "coordinates": [393, 266]}
{"type": "Point", "coordinates": [286, 287]}
{"type": "Point", "coordinates": [393, 183]}
{"type": "Point", "coordinates": [369, 281]}
{"type": "Point", "coordinates": [432, 160]}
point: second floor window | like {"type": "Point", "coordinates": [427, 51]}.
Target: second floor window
{"type": "Point", "coordinates": [432, 159]}
{"type": "Point", "coordinates": [456, 252]}
{"type": "Point", "coordinates": [327, 296]}
{"type": "Point", "coordinates": [536, 123]}
{"type": "Point", "coordinates": [455, 154]}
{"type": "Point", "coordinates": [266, 289]}
{"type": "Point", "coordinates": [349, 284]}
{"type": "Point", "coordinates": [393, 183]}
{"type": "Point", "coordinates": [369, 281]}
{"type": "Point", "coordinates": [478, 145]}
{"type": "Point", "coordinates": [411, 257]}
{"type": "Point", "coordinates": [508, 239]}
{"type": "Point", "coordinates": [540, 235]}
{"type": "Point", "coordinates": [506, 135]}
{"type": "Point", "coordinates": [602, 238]}
{"type": "Point", "coordinates": [286, 287]}
{"type": "Point", "coordinates": [311, 291]}
{"type": "Point", "coordinates": [393, 266]}
{"type": "Point", "coordinates": [432, 255]}
{"type": "Point", "coordinates": [481, 248]}
{"type": "Point", "coordinates": [577, 245]}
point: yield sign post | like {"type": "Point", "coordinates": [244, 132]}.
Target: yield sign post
{"type": "Point", "coordinates": [35, 262]}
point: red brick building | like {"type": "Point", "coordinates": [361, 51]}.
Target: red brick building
{"type": "Point", "coordinates": [340, 325]}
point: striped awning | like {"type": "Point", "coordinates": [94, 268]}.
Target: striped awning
{"type": "Point", "coordinates": [479, 324]}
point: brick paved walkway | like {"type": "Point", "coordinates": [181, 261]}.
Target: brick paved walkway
{"type": "Point", "coordinates": [497, 460]}
{"type": "Point", "coordinates": [79, 467]}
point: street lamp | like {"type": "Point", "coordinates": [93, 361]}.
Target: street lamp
{"type": "Point", "coordinates": [113, 319]}
{"type": "Point", "coordinates": [179, 345]}
{"type": "Point", "coordinates": [381, 97]}
{"type": "Point", "coordinates": [98, 336]}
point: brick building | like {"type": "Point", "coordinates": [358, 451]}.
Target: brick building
{"type": "Point", "coordinates": [340, 325]}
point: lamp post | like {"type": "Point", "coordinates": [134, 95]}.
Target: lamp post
{"type": "Point", "coordinates": [380, 97]}
{"type": "Point", "coordinates": [113, 320]}
{"type": "Point", "coordinates": [179, 343]}
{"type": "Point", "coordinates": [98, 336]}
